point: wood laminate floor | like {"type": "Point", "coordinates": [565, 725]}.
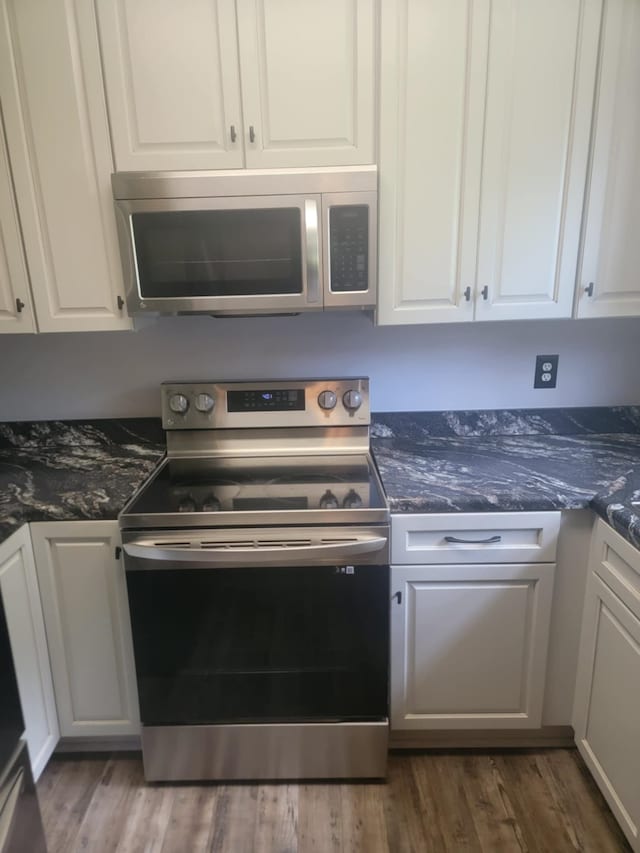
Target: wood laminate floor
{"type": "Point", "coordinates": [542, 800]}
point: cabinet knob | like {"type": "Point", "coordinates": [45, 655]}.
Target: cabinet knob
{"type": "Point", "coordinates": [589, 289]}
{"type": "Point", "coordinates": [232, 133]}
{"type": "Point", "coordinates": [252, 134]}
{"type": "Point", "coordinates": [120, 303]}
{"type": "Point", "coordinates": [19, 305]}
{"type": "Point", "coordinates": [485, 292]}
{"type": "Point", "coordinates": [467, 294]}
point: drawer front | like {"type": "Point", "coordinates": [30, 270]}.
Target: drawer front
{"type": "Point", "coordinates": [618, 564]}
{"type": "Point", "coordinates": [503, 537]}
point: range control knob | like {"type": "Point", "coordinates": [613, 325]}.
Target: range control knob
{"type": "Point", "coordinates": [327, 399]}
{"type": "Point", "coordinates": [352, 500]}
{"type": "Point", "coordinates": [352, 400]}
{"type": "Point", "coordinates": [329, 501]}
{"type": "Point", "coordinates": [187, 504]}
{"type": "Point", "coordinates": [204, 403]}
{"type": "Point", "coordinates": [178, 403]}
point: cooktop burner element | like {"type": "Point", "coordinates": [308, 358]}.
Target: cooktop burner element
{"type": "Point", "coordinates": [263, 453]}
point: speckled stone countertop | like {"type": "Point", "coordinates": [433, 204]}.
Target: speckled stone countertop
{"type": "Point", "coordinates": [513, 461]}
{"type": "Point", "coordinates": [57, 471]}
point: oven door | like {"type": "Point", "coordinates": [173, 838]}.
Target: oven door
{"type": "Point", "coordinates": [224, 256]}
{"type": "Point", "coordinates": [282, 644]}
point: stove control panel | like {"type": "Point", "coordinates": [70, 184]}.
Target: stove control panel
{"type": "Point", "coordinates": [255, 405]}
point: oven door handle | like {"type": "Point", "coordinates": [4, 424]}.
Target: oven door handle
{"type": "Point", "coordinates": [255, 555]}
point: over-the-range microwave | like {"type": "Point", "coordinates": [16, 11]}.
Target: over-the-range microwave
{"type": "Point", "coordinates": [241, 243]}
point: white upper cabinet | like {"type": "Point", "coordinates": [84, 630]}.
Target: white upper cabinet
{"type": "Point", "coordinates": [173, 83]}
{"type": "Point", "coordinates": [485, 121]}
{"type": "Point", "coordinates": [58, 141]}
{"type": "Point", "coordinates": [271, 83]}
{"type": "Point", "coordinates": [609, 283]}
{"type": "Point", "coordinates": [16, 313]}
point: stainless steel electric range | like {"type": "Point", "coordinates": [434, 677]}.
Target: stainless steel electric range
{"type": "Point", "coordinates": [257, 571]}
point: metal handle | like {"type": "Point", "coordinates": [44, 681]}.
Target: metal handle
{"type": "Point", "coordinates": [252, 134]}
{"type": "Point", "coordinates": [488, 541]}
{"type": "Point", "coordinates": [485, 292]}
{"type": "Point", "coordinates": [232, 133]}
{"type": "Point", "coordinates": [19, 305]}
{"type": "Point", "coordinates": [313, 249]}
{"type": "Point", "coordinates": [120, 303]}
{"type": "Point", "coordinates": [10, 796]}
{"type": "Point", "coordinates": [589, 289]}
{"type": "Point", "coordinates": [262, 556]}
{"type": "Point", "coordinates": [467, 294]}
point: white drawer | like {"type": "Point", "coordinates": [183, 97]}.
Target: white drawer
{"type": "Point", "coordinates": [500, 537]}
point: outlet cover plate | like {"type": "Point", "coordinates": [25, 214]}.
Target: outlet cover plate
{"type": "Point", "coordinates": [546, 374]}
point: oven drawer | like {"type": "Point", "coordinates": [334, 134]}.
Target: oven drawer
{"type": "Point", "coordinates": [503, 537]}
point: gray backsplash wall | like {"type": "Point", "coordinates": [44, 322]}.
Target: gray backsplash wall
{"type": "Point", "coordinates": [474, 366]}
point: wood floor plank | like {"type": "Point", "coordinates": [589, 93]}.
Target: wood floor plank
{"type": "Point", "coordinates": [320, 819]}
{"type": "Point", "coordinates": [536, 801]}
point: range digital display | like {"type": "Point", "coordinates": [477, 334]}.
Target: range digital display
{"type": "Point", "coordinates": [265, 400]}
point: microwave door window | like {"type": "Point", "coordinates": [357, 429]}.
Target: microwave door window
{"type": "Point", "coordinates": [206, 253]}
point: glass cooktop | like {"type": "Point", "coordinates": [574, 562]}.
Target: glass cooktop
{"type": "Point", "coordinates": [241, 485]}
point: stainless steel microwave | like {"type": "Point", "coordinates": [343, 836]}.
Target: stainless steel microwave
{"type": "Point", "coordinates": [259, 242]}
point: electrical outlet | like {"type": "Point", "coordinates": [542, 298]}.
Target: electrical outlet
{"type": "Point", "coordinates": [546, 374]}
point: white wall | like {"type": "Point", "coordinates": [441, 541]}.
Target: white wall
{"type": "Point", "coordinates": [475, 366]}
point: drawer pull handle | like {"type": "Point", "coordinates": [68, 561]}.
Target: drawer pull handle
{"type": "Point", "coordinates": [488, 541]}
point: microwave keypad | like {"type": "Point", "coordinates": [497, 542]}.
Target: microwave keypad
{"type": "Point", "coordinates": [349, 247]}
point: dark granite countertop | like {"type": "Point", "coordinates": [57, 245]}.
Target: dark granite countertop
{"type": "Point", "coordinates": [62, 471]}
{"type": "Point", "coordinates": [489, 461]}
{"type": "Point", "coordinates": [510, 461]}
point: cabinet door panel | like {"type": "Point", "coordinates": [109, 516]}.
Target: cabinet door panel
{"type": "Point", "coordinates": [541, 78]}
{"type": "Point", "coordinates": [432, 103]}
{"type": "Point", "coordinates": [14, 279]}
{"type": "Point", "coordinates": [308, 82]}
{"type": "Point", "coordinates": [606, 717]}
{"type": "Point", "coordinates": [58, 139]}
{"type": "Point", "coordinates": [85, 609]}
{"type": "Point", "coordinates": [21, 598]}
{"type": "Point", "coordinates": [469, 645]}
{"type": "Point", "coordinates": [172, 80]}
{"type": "Point", "coordinates": [611, 253]}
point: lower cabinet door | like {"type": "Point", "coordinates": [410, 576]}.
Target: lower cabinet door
{"type": "Point", "coordinates": [19, 587]}
{"type": "Point", "coordinates": [84, 600]}
{"type": "Point", "coordinates": [469, 645]}
{"type": "Point", "coordinates": [607, 702]}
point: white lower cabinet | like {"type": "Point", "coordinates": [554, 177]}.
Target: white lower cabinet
{"type": "Point", "coordinates": [607, 700]}
{"type": "Point", "coordinates": [469, 632]}
{"type": "Point", "coordinates": [84, 601]}
{"type": "Point", "coordinates": [19, 587]}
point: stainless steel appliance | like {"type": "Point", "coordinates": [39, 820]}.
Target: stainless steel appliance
{"type": "Point", "coordinates": [258, 580]}
{"type": "Point", "coordinates": [20, 822]}
{"type": "Point", "coordinates": [260, 242]}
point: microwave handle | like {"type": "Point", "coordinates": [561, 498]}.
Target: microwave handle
{"type": "Point", "coordinates": [313, 249]}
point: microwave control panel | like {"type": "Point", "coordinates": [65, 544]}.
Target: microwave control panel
{"type": "Point", "coordinates": [349, 247]}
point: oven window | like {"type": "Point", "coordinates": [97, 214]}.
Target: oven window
{"type": "Point", "coordinates": [289, 644]}
{"type": "Point", "coordinates": [218, 253]}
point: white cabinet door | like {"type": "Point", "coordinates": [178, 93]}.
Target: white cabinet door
{"type": "Point", "coordinates": [308, 82]}
{"type": "Point", "coordinates": [433, 78]}
{"type": "Point", "coordinates": [607, 700]}
{"type": "Point", "coordinates": [16, 313]}
{"type": "Point", "coordinates": [58, 140]}
{"type": "Point", "coordinates": [541, 78]}
{"type": "Point", "coordinates": [173, 83]}
{"type": "Point", "coordinates": [609, 284]}
{"type": "Point", "coordinates": [19, 587]}
{"type": "Point", "coordinates": [469, 645]}
{"type": "Point", "coordinates": [84, 600]}
{"type": "Point", "coordinates": [485, 119]}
